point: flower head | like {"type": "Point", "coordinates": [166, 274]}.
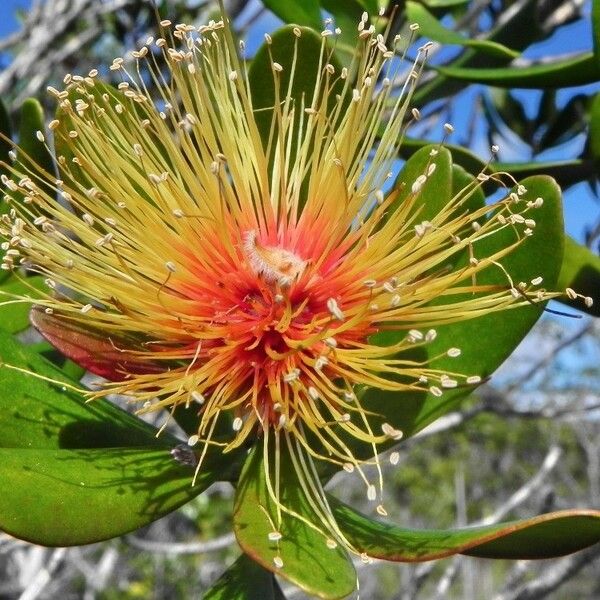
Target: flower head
{"type": "Point", "coordinates": [193, 260]}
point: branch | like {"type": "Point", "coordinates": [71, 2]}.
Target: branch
{"type": "Point", "coordinates": [550, 356]}
{"type": "Point", "coordinates": [44, 575]}
{"type": "Point", "coordinates": [519, 497]}
{"type": "Point", "coordinates": [180, 548]}
{"type": "Point", "coordinates": [552, 577]}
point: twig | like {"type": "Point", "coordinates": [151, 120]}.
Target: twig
{"type": "Point", "coordinates": [550, 356]}
{"type": "Point", "coordinates": [181, 548]}
{"type": "Point", "coordinates": [43, 576]}
{"type": "Point", "coordinates": [518, 498]}
{"type": "Point", "coordinates": [552, 577]}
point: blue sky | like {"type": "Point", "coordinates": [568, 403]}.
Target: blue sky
{"type": "Point", "coordinates": [581, 206]}
{"type": "Point", "coordinates": [8, 21]}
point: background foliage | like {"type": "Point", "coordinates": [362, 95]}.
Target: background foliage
{"type": "Point", "coordinates": [530, 441]}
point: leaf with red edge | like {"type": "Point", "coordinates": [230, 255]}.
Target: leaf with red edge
{"type": "Point", "coordinates": [107, 356]}
{"type": "Point", "coordinates": [544, 536]}
{"type": "Point", "coordinates": [307, 561]}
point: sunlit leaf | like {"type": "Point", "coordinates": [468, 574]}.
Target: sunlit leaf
{"type": "Point", "coordinates": [545, 536]}
{"type": "Point", "coordinates": [539, 255]}
{"type": "Point", "coordinates": [346, 14]}
{"type": "Point", "coordinates": [518, 30]}
{"type": "Point", "coordinates": [35, 413]}
{"type": "Point", "coordinates": [561, 73]}
{"type": "Point", "coordinates": [14, 317]}
{"type": "Point", "coordinates": [74, 497]}
{"type": "Point", "coordinates": [444, 3]}
{"type": "Point", "coordinates": [581, 272]}
{"type": "Point", "coordinates": [437, 189]}
{"type": "Point", "coordinates": [286, 49]}
{"type": "Point", "coordinates": [304, 12]}
{"type": "Point", "coordinates": [566, 172]}
{"type": "Point", "coordinates": [431, 28]}
{"type": "Point", "coordinates": [307, 560]}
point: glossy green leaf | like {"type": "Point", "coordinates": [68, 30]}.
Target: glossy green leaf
{"type": "Point", "coordinates": [32, 122]}
{"type": "Point", "coordinates": [371, 6]}
{"type": "Point", "coordinates": [346, 14]}
{"type": "Point", "coordinates": [569, 72]}
{"type": "Point", "coordinates": [520, 28]}
{"type": "Point", "coordinates": [539, 255]}
{"type": "Point", "coordinates": [15, 317]}
{"type": "Point", "coordinates": [245, 580]}
{"type": "Point", "coordinates": [581, 272]}
{"type": "Point", "coordinates": [35, 413]}
{"type": "Point", "coordinates": [300, 12]}
{"type": "Point", "coordinates": [284, 49]}
{"type": "Point", "coordinates": [436, 191]}
{"type": "Point", "coordinates": [545, 536]}
{"type": "Point", "coordinates": [431, 28]}
{"type": "Point", "coordinates": [307, 561]}
{"type": "Point", "coordinates": [74, 497]}
{"type": "Point", "coordinates": [566, 172]}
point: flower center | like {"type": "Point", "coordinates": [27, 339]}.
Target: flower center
{"type": "Point", "coordinates": [275, 265]}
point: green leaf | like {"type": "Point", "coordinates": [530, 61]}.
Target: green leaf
{"type": "Point", "coordinates": [103, 471]}
{"type": "Point", "coordinates": [15, 317]}
{"type": "Point", "coordinates": [307, 561]}
{"type": "Point", "coordinates": [581, 70]}
{"type": "Point", "coordinates": [581, 272]}
{"type": "Point", "coordinates": [245, 580]}
{"type": "Point", "coordinates": [35, 413]}
{"type": "Point", "coordinates": [286, 49]}
{"type": "Point", "coordinates": [539, 255]}
{"type": "Point", "coordinates": [566, 172]}
{"type": "Point", "coordinates": [545, 536]}
{"type": "Point", "coordinates": [300, 12]}
{"type": "Point", "coordinates": [435, 192]}
{"type": "Point", "coordinates": [460, 180]}
{"type": "Point", "coordinates": [430, 27]}
{"type": "Point", "coordinates": [518, 31]}
{"type": "Point", "coordinates": [33, 150]}
{"type": "Point", "coordinates": [74, 497]}
{"type": "Point", "coordinates": [347, 14]}
{"type": "Point", "coordinates": [371, 6]}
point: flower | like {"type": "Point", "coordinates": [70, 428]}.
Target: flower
{"type": "Point", "coordinates": [192, 261]}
